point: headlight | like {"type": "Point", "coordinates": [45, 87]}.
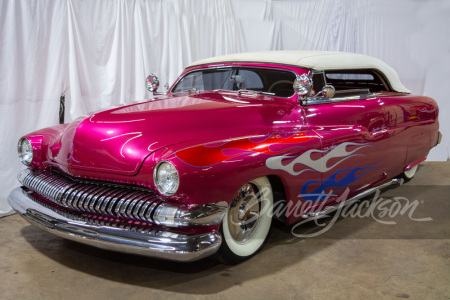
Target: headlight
{"type": "Point", "coordinates": [166, 178]}
{"type": "Point", "coordinates": [25, 151]}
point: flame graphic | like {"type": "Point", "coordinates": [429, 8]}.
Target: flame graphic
{"type": "Point", "coordinates": [319, 193]}
{"type": "Point", "coordinates": [213, 153]}
{"type": "Point", "coordinates": [319, 165]}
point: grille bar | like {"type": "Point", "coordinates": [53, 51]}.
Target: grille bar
{"type": "Point", "coordinates": [97, 198]}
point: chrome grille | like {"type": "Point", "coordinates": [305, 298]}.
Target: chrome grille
{"type": "Point", "coordinates": [92, 197]}
{"type": "Point", "coordinates": [97, 220]}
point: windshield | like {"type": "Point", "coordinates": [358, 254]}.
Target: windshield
{"type": "Point", "coordinates": [268, 81]}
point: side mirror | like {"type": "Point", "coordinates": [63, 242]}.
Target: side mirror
{"type": "Point", "coordinates": [303, 87]}
{"type": "Point", "coordinates": [328, 91]}
{"type": "Point", "coordinates": [152, 83]}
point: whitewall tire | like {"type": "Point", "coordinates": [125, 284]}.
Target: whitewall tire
{"type": "Point", "coordinates": [410, 173]}
{"type": "Point", "coordinates": [246, 225]}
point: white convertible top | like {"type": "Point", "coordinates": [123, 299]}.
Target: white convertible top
{"type": "Point", "coordinates": [316, 60]}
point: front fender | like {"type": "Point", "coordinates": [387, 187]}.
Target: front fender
{"type": "Point", "coordinates": [214, 171]}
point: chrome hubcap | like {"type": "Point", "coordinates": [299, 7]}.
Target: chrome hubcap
{"type": "Point", "coordinates": [244, 213]}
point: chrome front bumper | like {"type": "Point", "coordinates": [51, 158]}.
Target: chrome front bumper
{"type": "Point", "coordinates": [158, 244]}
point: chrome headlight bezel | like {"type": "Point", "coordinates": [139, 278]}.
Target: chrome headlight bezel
{"type": "Point", "coordinates": [158, 180]}
{"type": "Point", "coordinates": [25, 151]}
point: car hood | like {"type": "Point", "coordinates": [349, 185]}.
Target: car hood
{"type": "Point", "coordinates": [118, 140]}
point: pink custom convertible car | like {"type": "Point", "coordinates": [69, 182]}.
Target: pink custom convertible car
{"type": "Point", "coordinates": [236, 141]}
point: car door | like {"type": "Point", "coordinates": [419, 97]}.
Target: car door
{"type": "Point", "coordinates": [354, 138]}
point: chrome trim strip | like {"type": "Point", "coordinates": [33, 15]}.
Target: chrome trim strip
{"type": "Point", "coordinates": [332, 208]}
{"type": "Point", "coordinates": [323, 100]}
{"type": "Point", "coordinates": [158, 244]}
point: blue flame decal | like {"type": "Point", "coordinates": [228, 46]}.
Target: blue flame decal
{"type": "Point", "coordinates": [319, 194]}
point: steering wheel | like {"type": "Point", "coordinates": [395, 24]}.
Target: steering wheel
{"type": "Point", "coordinates": [280, 84]}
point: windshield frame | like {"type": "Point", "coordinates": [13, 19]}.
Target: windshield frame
{"type": "Point", "coordinates": [231, 66]}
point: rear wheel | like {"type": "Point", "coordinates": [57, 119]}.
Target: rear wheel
{"type": "Point", "coordinates": [408, 174]}
{"type": "Point", "coordinates": [246, 225]}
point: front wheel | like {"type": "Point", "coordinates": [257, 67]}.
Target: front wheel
{"type": "Point", "coordinates": [246, 225]}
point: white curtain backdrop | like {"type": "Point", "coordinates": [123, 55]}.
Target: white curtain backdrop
{"type": "Point", "coordinates": [101, 51]}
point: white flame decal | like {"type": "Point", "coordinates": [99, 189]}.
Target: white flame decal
{"type": "Point", "coordinates": [320, 165]}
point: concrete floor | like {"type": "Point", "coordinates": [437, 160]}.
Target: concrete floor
{"type": "Point", "coordinates": [356, 258]}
